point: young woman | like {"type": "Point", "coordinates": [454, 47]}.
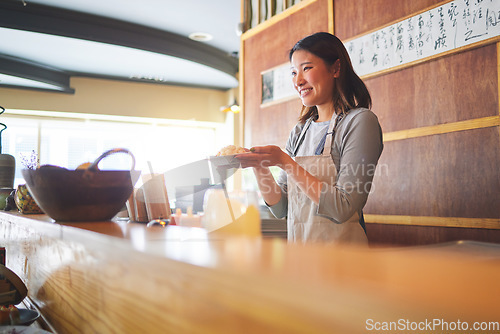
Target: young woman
{"type": "Point", "coordinates": [332, 152]}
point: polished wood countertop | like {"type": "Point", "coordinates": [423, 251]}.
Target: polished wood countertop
{"type": "Point", "coordinates": [123, 277]}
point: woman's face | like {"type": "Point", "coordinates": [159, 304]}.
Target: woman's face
{"type": "Point", "coordinates": [313, 79]}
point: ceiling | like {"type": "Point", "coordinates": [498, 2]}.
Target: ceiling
{"type": "Point", "coordinates": [46, 42]}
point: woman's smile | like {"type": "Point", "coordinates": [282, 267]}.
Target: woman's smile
{"type": "Point", "coordinates": [304, 91]}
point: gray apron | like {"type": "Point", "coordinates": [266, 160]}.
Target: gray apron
{"type": "Point", "coordinates": [303, 222]}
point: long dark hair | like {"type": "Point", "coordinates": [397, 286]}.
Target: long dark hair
{"type": "Point", "coordinates": [350, 91]}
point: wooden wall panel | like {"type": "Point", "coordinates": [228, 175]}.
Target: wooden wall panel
{"type": "Point", "coordinates": [357, 17]}
{"type": "Point", "coordinates": [273, 124]}
{"type": "Point", "coordinates": [445, 90]}
{"type": "Point", "coordinates": [406, 235]}
{"type": "Point", "coordinates": [448, 175]}
{"type": "Point", "coordinates": [265, 50]}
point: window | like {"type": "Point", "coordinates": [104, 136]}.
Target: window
{"type": "Point", "coordinates": [68, 139]}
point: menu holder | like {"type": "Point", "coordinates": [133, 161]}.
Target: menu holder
{"type": "Point", "coordinates": [136, 206]}
{"type": "Point", "coordinates": [130, 204]}
{"type": "Point", "coordinates": [155, 196]}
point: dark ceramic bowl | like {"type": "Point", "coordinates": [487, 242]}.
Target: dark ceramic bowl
{"type": "Point", "coordinates": [27, 317]}
{"type": "Point", "coordinates": [82, 194]}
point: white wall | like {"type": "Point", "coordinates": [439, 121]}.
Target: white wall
{"type": "Point", "coordinates": [109, 97]}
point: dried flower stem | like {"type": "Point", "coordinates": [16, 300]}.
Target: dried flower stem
{"type": "Point", "coordinates": [30, 161]}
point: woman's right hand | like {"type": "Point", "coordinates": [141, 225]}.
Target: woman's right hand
{"type": "Point", "coordinates": [260, 158]}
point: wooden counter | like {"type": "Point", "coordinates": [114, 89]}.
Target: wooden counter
{"type": "Point", "coordinates": [128, 278]}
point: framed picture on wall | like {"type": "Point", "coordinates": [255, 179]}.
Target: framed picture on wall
{"type": "Point", "coordinates": [267, 87]}
{"type": "Point", "coordinates": [277, 85]}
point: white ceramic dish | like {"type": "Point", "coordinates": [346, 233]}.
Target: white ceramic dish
{"type": "Point", "coordinates": [226, 161]}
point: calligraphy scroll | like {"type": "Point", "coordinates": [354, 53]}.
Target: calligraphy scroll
{"type": "Point", "coordinates": [441, 29]}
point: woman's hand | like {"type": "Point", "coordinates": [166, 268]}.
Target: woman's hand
{"type": "Point", "coordinates": [260, 158]}
{"type": "Point", "coordinates": [264, 156]}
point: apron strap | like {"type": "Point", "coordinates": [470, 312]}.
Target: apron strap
{"type": "Point", "coordinates": [329, 134]}
{"type": "Point", "coordinates": [362, 221]}
{"type": "Point", "coordinates": [302, 136]}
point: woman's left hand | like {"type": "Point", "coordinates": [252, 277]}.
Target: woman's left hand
{"type": "Point", "coordinates": [264, 156]}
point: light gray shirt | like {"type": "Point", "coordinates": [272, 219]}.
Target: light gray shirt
{"type": "Point", "coordinates": [356, 148]}
{"type": "Point", "coordinates": [313, 136]}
